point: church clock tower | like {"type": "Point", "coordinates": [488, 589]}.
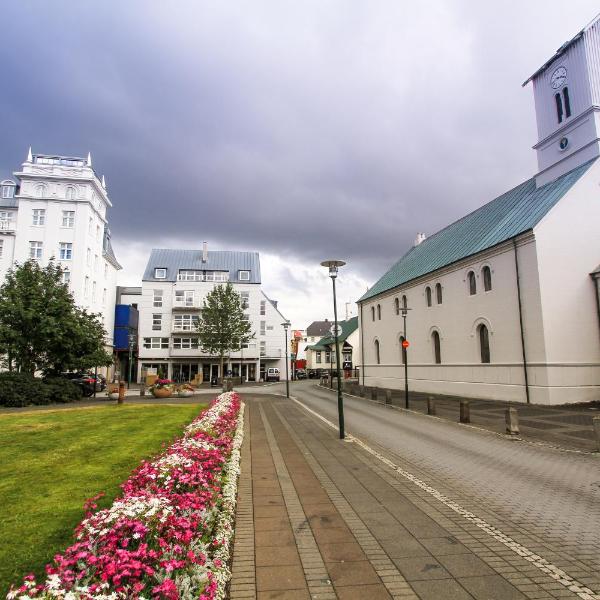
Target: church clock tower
{"type": "Point", "coordinates": [566, 90]}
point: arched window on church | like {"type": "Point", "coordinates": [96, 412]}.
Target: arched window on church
{"type": "Point", "coordinates": [438, 292]}
{"type": "Point", "coordinates": [484, 344]}
{"type": "Point", "coordinates": [559, 107]}
{"type": "Point", "coordinates": [487, 278]}
{"type": "Point", "coordinates": [372, 313]}
{"type": "Point", "coordinates": [397, 305]}
{"type": "Point", "coordinates": [567, 102]}
{"type": "Point", "coordinates": [437, 349]}
{"type": "Point", "coordinates": [428, 295]}
{"type": "Point", "coordinates": [472, 283]}
{"type": "Point", "coordinates": [377, 354]}
{"type": "Point", "coordinates": [404, 302]}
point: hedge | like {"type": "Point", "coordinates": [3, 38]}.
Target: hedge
{"type": "Point", "coordinates": [21, 389]}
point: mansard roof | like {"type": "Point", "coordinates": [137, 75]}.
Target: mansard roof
{"type": "Point", "coordinates": [218, 260]}
{"type": "Point", "coordinates": [507, 216]}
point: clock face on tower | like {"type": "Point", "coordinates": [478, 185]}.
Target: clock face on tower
{"type": "Point", "coordinates": [558, 77]}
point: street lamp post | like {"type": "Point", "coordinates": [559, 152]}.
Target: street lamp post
{"type": "Point", "coordinates": [333, 266]}
{"type": "Point", "coordinates": [405, 345]}
{"type": "Point", "coordinates": [131, 343]}
{"type": "Point", "coordinates": [287, 376]}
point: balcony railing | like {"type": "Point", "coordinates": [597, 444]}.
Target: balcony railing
{"type": "Point", "coordinates": [6, 225]}
{"type": "Point", "coordinates": [184, 328]}
{"type": "Point", "coordinates": [271, 352]}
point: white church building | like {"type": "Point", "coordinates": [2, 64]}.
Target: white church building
{"type": "Point", "coordinates": [504, 303]}
{"type": "Point", "coordinates": [56, 208]}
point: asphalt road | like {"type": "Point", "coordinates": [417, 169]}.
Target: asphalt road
{"type": "Point", "coordinates": [544, 498]}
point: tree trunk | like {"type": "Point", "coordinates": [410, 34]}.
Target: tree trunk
{"type": "Point", "coordinates": [222, 358]}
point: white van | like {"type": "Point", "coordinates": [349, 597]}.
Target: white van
{"type": "Point", "coordinates": [272, 374]}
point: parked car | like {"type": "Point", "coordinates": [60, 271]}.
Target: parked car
{"type": "Point", "coordinates": [273, 374]}
{"type": "Point", "coordinates": [300, 374]}
{"type": "Point", "coordinates": [313, 374]}
{"type": "Point", "coordinates": [84, 380]}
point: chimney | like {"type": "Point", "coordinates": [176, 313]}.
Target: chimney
{"type": "Point", "coordinates": [420, 238]}
{"type": "Point", "coordinates": [204, 252]}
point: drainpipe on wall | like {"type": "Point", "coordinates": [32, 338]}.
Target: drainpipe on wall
{"type": "Point", "coordinates": [521, 322]}
{"type": "Point", "coordinates": [362, 345]}
{"type": "Point", "coordinates": [596, 278]}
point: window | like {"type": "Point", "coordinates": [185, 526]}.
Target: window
{"type": "Point", "coordinates": [438, 293]}
{"type": "Point", "coordinates": [184, 298]}
{"type": "Point", "coordinates": [397, 306]}
{"type": "Point", "coordinates": [487, 278]}
{"type": "Point", "coordinates": [567, 102]}
{"type": "Point", "coordinates": [158, 299]}
{"type": "Point", "coordinates": [216, 276]}
{"type": "Point", "coordinates": [244, 276]}
{"type": "Point", "coordinates": [39, 216]}
{"type": "Point", "coordinates": [263, 308]}
{"type": "Point", "coordinates": [97, 233]}
{"type": "Point", "coordinates": [428, 295]}
{"type": "Point", "coordinates": [318, 358]}
{"type": "Point", "coordinates": [90, 225]}
{"type": "Point", "coordinates": [160, 273]}
{"type": "Point", "coordinates": [86, 286]}
{"type": "Point", "coordinates": [70, 193]}
{"type": "Point", "coordinates": [189, 275]}
{"type": "Point", "coordinates": [6, 216]}
{"type": "Point", "coordinates": [484, 344]}
{"type": "Point", "coordinates": [94, 291]}
{"type": "Point", "coordinates": [65, 251]}
{"type": "Point", "coordinates": [40, 191]}
{"type": "Point", "coordinates": [35, 250]}
{"type": "Point", "coordinates": [104, 297]}
{"type": "Point", "coordinates": [1, 248]}
{"type": "Point", "coordinates": [105, 269]}
{"type": "Point", "coordinates": [88, 257]}
{"type": "Point", "coordinates": [404, 302]}
{"type": "Point", "coordinates": [379, 312]}
{"type": "Point", "coordinates": [402, 351]}
{"type": "Point", "coordinates": [559, 107]}
{"type": "Point", "coordinates": [437, 351]}
{"type": "Point", "coordinates": [377, 355]}
{"type": "Point", "coordinates": [66, 277]}
{"type": "Point", "coordinates": [472, 283]}
{"type": "Point", "coordinates": [8, 188]}
{"type": "Point", "coordinates": [156, 322]}
{"type": "Point", "coordinates": [372, 313]}
{"type": "Point", "coordinates": [245, 299]}
{"type": "Point", "coordinates": [185, 322]}
{"type": "Point", "coordinates": [263, 348]}
{"type": "Point", "coordinates": [180, 343]}
{"type": "Point", "coordinates": [95, 263]}
{"type": "Point", "coordinates": [68, 218]}
{"type": "Point", "coordinates": [156, 343]}
{"type": "Point", "coordinates": [328, 357]}
{"type": "Point", "coordinates": [263, 328]}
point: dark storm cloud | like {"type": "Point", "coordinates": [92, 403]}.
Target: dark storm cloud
{"type": "Point", "coordinates": [303, 130]}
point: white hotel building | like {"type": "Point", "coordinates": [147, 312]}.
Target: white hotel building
{"type": "Point", "coordinates": [55, 208]}
{"type": "Point", "coordinates": [174, 286]}
{"type": "Point", "coordinates": [505, 303]}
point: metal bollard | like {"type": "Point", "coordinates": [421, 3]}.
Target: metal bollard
{"type": "Point", "coordinates": [388, 396]}
{"type": "Point", "coordinates": [596, 424]}
{"type": "Point", "coordinates": [121, 392]}
{"type": "Point", "coordinates": [361, 391]}
{"type": "Point", "coordinates": [229, 385]}
{"type": "Point", "coordinates": [373, 393]}
{"type": "Point", "coordinates": [431, 405]}
{"type": "Point", "coordinates": [465, 411]}
{"type": "Point", "coordinates": [142, 390]}
{"type": "Point", "coordinates": [224, 385]}
{"type": "Point", "coordinates": [512, 421]}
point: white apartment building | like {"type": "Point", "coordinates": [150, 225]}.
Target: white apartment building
{"type": "Point", "coordinates": [174, 286]}
{"type": "Point", "coordinates": [504, 303]}
{"type": "Point", "coordinates": [55, 208]}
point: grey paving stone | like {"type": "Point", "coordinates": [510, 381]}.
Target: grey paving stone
{"type": "Point", "coordinates": [490, 587]}
{"type": "Point", "coordinates": [465, 565]}
{"type": "Point", "coordinates": [418, 568]}
{"type": "Point", "coordinates": [441, 589]}
{"type": "Point", "coordinates": [440, 546]}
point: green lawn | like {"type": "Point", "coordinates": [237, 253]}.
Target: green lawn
{"type": "Point", "coordinates": [52, 461]}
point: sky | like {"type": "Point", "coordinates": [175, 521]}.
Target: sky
{"type": "Point", "coordinates": [303, 130]}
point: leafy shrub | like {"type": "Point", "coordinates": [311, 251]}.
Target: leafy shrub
{"type": "Point", "coordinates": [21, 389]}
{"type": "Point", "coordinates": [61, 390]}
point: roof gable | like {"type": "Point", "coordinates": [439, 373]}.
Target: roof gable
{"type": "Point", "coordinates": [508, 215]}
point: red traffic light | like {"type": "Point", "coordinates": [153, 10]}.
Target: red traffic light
{"type": "Point", "coordinates": [405, 343]}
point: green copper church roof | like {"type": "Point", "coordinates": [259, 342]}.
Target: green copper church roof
{"type": "Point", "coordinates": [505, 217]}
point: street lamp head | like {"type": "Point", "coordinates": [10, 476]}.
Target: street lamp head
{"type": "Point", "coordinates": [285, 325]}
{"type": "Point", "coordinates": [333, 266]}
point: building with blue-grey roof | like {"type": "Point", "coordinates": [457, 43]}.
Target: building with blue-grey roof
{"type": "Point", "coordinates": [504, 303]}
{"type": "Point", "coordinates": [174, 286]}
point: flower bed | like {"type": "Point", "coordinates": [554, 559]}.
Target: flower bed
{"type": "Point", "coordinates": [169, 535]}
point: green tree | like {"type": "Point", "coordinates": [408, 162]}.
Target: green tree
{"type": "Point", "coordinates": [41, 328]}
{"type": "Point", "coordinates": [222, 327]}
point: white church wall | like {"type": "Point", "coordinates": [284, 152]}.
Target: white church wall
{"type": "Point", "coordinates": [569, 249]}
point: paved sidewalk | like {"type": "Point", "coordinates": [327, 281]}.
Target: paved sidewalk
{"type": "Point", "coordinates": [322, 518]}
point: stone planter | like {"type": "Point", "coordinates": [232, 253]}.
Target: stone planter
{"type": "Point", "coordinates": [185, 393]}
{"type": "Point", "coordinates": [164, 392]}
{"type": "Point", "coordinates": [113, 395]}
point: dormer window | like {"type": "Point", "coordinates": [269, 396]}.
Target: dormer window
{"type": "Point", "coordinates": [244, 275]}
{"type": "Point", "coordinates": [160, 273]}
{"type": "Point", "coordinates": [8, 188]}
